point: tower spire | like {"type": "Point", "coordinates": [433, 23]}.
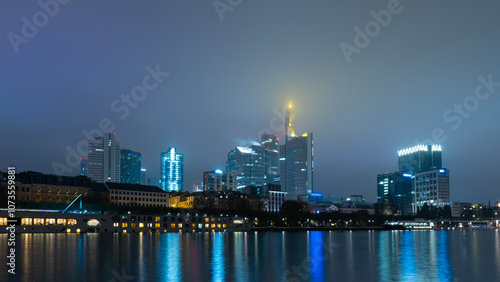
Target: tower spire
{"type": "Point", "coordinates": [289, 130]}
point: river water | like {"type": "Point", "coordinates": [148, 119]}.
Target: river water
{"type": "Point", "coordinates": [472, 255]}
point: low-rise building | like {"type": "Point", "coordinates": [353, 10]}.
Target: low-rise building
{"type": "Point", "coordinates": [182, 200]}
{"type": "Point", "coordinates": [136, 194]}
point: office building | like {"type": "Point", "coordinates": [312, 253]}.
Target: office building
{"type": "Point", "coordinates": [272, 158]}
{"type": "Point", "coordinates": [296, 161]}
{"type": "Point", "coordinates": [130, 166]}
{"type": "Point", "coordinates": [419, 158]}
{"type": "Point", "coordinates": [84, 166]}
{"type": "Point", "coordinates": [104, 159]}
{"type": "Point", "coordinates": [248, 164]}
{"type": "Point", "coordinates": [172, 171]}
{"type": "Point", "coordinates": [432, 187]}
{"type": "Point", "coordinates": [218, 180]}
{"type": "Point", "coordinates": [144, 176]}
{"type": "Point", "coordinates": [399, 187]}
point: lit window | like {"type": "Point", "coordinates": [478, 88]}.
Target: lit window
{"type": "Point", "coordinates": [3, 221]}
{"type": "Point", "coordinates": [141, 225]}
{"type": "Point", "coordinates": [124, 224]}
{"type": "Point", "coordinates": [50, 221]}
{"type": "Point", "coordinates": [26, 221]}
{"type": "Point", "coordinates": [61, 221]}
{"type": "Point", "coordinates": [71, 221]}
{"type": "Point", "coordinates": [38, 221]}
{"type": "Point", "coordinates": [116, 224]}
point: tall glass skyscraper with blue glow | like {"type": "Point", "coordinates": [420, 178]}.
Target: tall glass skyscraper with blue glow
{"type": "Point", "coordinates": [172, 171]}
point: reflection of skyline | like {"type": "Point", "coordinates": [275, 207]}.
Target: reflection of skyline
{"type": "Point", "coordinates": [411, 256]}
{"type": "Point", "coordinates": [381, 255]}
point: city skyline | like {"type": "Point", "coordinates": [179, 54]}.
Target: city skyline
{"type": "Point", "coordinates": [210, 86]}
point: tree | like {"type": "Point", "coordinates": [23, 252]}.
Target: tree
{"type": "Point", "coordinates": [447, 212]}
{"type": "Point", "coordinates": [388, 208]}
{"type": "Point", "coordinates": [424, 212]}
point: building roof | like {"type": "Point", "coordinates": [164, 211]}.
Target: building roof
{"type": "Point", "coordinates": [98, 187]}
{"type": "Point", "coordinates": [133, 187]}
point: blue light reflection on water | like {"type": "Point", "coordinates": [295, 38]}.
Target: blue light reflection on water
{"type": "Point", "coordinates": [264, 256]}
{"type": "Point", "coordinates": [317, 255]}
{"type": "Point", "coordinates": [443, 260]}
{"type": "Point", "coordinates": [217, 260]}
{"type": "Point", "coordinates": [408, 267]}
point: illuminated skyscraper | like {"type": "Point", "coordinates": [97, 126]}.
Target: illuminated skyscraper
{"type": "Point", "coordinates": [432, 187]}
{"type": "Point", "coordinates": [172, 176]}
{"type": "Point", "coordinates": [296, 161]}
{"type": "Point", "coordinates": [130, 166]}
{"type": "Point", "coordinates": [272, 158]}
{"type": "Point", "coordinates": [289, 129]}
{"type": "Point", "coordinates": [399, 187]}
{"type": "Point", "coordinates": [419, 158]}
{"type": "Point", "coordinates": [104, 159]}
{"type": "Point", "coordinates": [248, 164]}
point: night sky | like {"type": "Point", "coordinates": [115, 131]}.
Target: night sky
{"type": "Point", "coordinates": [230, 76]}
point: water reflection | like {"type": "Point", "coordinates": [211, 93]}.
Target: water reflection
{"type": "Point", "coordinates": [217, 257]}
{"type": "Point", "coordinates": [317, 255]}
{"type": "Point", "coordinates": [264, 256]}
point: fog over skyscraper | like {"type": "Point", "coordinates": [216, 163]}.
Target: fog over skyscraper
{"type": "Point", "coordinates": [271, 146]}
{"type": "Point", "coordinates": [248, 164]}
{"type": "Point", "coordinates": [296, 160]}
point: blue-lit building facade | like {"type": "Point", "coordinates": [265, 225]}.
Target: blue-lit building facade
{"type": "Point", "coordinates": [432, 187]}
{"type": "Point", "coordinates": [419, 158]}
{"type": "Point", "coordinates": [248, 165]}
{"type": "Point", "coordinates": [172, 171]}
{"type": "Point", "coordinates": [399, 187]}
{"type": "Point", "coordinates": [130, 166]}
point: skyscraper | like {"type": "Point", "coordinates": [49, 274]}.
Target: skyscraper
{"type": "Point", "coordinates": [289, 129]}
{"type": "Point", "coordinates": [144, 176]}
{"type": "Point", "coordinates": [272, 158]}
{"type": "Point", "coordinates": [419, 158]}
{"type": "Point", "coordinates": [172, 174]}
{"type": "Point", "coordinates": [432, 187]}
{"type": "Point", "coordinates": [296, 160]}
{"type": "Point", "coordinates": [218, 180]}
{"type": "Point", "coordinates": [104, 159]}
{"type": "Point", "coordinates": [84, 166]}
{"type": "Point", "coordinates": [248, 164]}
{"type": "Point", "coordinates": [130, 166]}
{"type": "Point", "coordinates": [399, 187]}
